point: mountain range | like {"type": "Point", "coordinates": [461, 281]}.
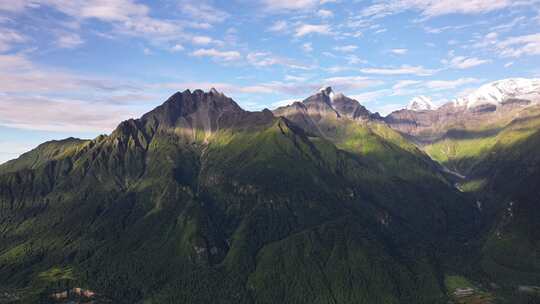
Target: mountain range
{"type": "Point", "coordinates": [320, 201]}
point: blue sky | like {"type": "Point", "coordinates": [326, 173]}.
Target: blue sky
{"type": "Point", "coordinates": [79, 67]}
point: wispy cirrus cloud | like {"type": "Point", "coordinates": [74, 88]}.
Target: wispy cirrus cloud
{"type": "Point", "coordinates": [280, 5]}
{"type": "Point", "coordinates": [203, 11]}
{"type": "Point", "coordinates": [19, 75]}
{"type": "Point", "coordinates": [307, 29]}
{"type": "Point", "coordinates": [511, 46]}
{"type": "Point", "coordinates": [434, 8]}
{"type": "Point", "coordinates": [125, 17]}
{"type": "Point", "coordinates": [399, 51]}
{"type": "Point", "coordinates": [450, 84]}
{"type": "Point", "coordinates": [267, 59]}
{"type": "Point", "coordinates": [346, 48]}
{"type": "Point", "coordinates": [217, 54]}
{"type": "Point", "coordinates": [324, 13]}
{"type": "Point", "coordinates": [463, 62]}
{"type": "Point", "coordinates": [56, 114]}
{"type": "Point", "coordinates": [403, 70]}
{"type": "Point", "coordinates": [9, 38]}
{"type": "Point", "coordinates": [416, 87]}
{"type": "Point", "coordinates": [518, 46]}
{"type": "Point", "coordinates": [69, 41]}
{"type": "Point", "coordinates": [279, 26]}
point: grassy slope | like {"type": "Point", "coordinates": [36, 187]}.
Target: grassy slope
{"type": "Point", "coordinates": [512, 172]}
{"type": "Point", "coordinates": [46, 152]}
{"type": "Point", "coordinates": [462, 148]}
{"type": "Point", "coordinates": [503, 170]}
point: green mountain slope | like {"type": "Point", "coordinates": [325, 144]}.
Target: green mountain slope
{"type": "Point", "coordinates": [497, 154]}
{"type": "Point", "coordinates": [200, 201]}
{"type": "Point", "coordinates": [510, 175]}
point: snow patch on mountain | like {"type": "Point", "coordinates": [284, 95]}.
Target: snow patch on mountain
{"type": "Point", "coordinates": [328, 91]}
{"type": "Point", "coordinates": [421, 103]}
{"type": "Point", "coordinates": [498, 91]}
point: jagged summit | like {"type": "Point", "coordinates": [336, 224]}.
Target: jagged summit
{"type": "Point", "coordinates": [328, 91]}
{"type": "Point", "coordinates": [197, 115]}
{"type": "Point", "coordinates": [196, 104]}
{"type": "Point", "coordinates": [421, 103]}
{"type": "Point", "coordinates": [326, 102]}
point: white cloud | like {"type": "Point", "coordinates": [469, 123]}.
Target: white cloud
{"type": "Point", "coordinates": [462, 62]}
{"type": "Point", "coordinates": [202, 10]}
{"type": "Point", "coordinates": [510, 25]}
{"type": "Point", "coordinates": [508, 64]}
{"type": "Point", "coordinates": [324, 13]}
{"type": "Point", "coordinates": [399, 51]}
{"type": "Point", "coordinates": [520, 45]}
{"type": "Point", "coordinates": [8, 38]}
{"type": "Point", "coordinates": [290, 5]}
{"type": "Point", "coordinates": [19, 75]}
{"type": "Point", "coordinates": [370, 96]}
{"type": "Point", "coordinates": [295, 78]}
{"type": "Point", "coordinates": [338, 69]}
{"type": "Point", "coordinates": [205, 40]}
{"type": "Point", "coordinates": [307, 47]}
{"type": "Point", "coordinates": [405, 83]}
{"type": "Point", "coordinates": [126, 16]}
{"type": "Point", "coordinates": [216, 54]}
{"type": "Point", "coordinates": [353, 59]}
{"type": "Point", "coordinates": [69, 41]}
{"type": "Point", "coordinates": [177, 48]}
{"type": "Point", "coordinates": [279, 26]}
{"type": "Point", "coordinates": [350, 82]}
{"type": "Point", "coordinates": [43, 98]}
{"type": "Point", "coordinates": [346, 48]}
{"type": "Point", "coordinates": [53, 114]}
{"type": "Point", "coordinates": [433, 8]}
{"type": "Point", "coordinates": [450, 84]}
{"type": "Point", "coordinates": [403, 70]}
{"type": "Point", "coordinates": [307, 29]}
{"type": "Point", "coordinates": [513, 46]}
{"type": "Point", "coordinates": [201, 40]}
{"type": "Point", "coordinates": [266, 59]}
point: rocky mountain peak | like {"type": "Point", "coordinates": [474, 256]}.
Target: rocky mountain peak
{"type": "Point", "coordinates": [328, 91]}
{"type": "Point", "coordinates": [197, 115]}
{"type": "Point", "coordinates": [196, 104]}
{"type": "Point", "coordinates": [322, 105]}
{"type": "Point", "coordinates": [421, 103]}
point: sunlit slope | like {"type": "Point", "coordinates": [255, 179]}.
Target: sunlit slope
{"type": "Point", "coordinates": [462, 148]}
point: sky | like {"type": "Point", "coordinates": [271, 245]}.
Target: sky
{"type": "Point", "coordinates": [79, 67]}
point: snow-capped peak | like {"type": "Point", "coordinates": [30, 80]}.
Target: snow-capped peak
{"type": "Point", "coordinates": [328, 92]}
{"type": "Point", "coordinates": [501, 90]}
{"type": "Point", "coordinates": [421, 103]}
